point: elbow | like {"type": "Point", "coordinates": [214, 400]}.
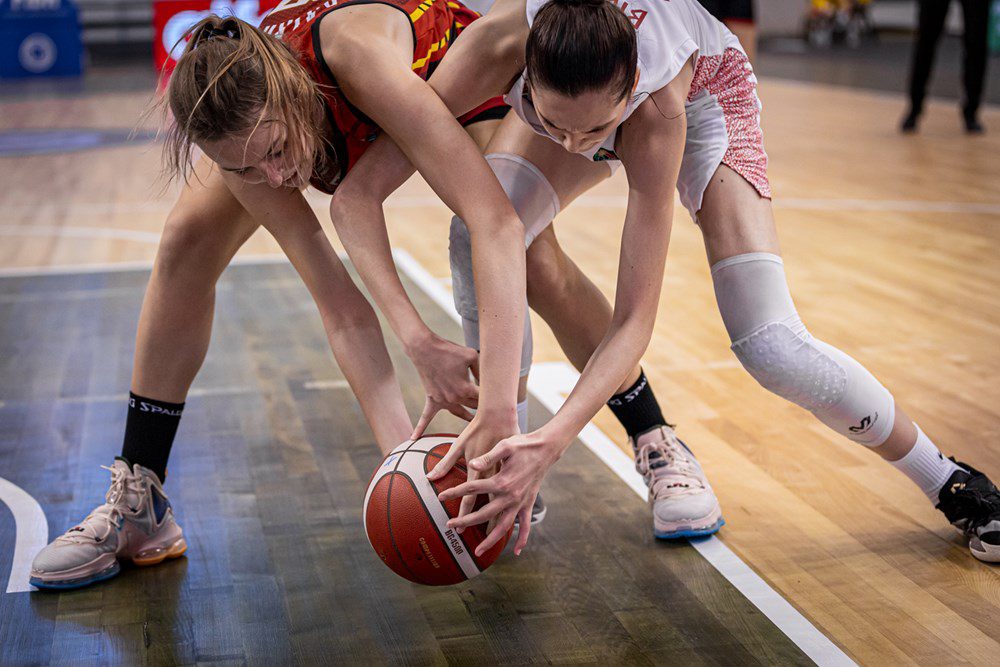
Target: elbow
{"type": "Point", "coordinates": [502, 231]}
{"type": "Point", "coordinates": [343, 206]}
{"type": "Point", "coordinates": [354, 197]}
{"type": "Point", "coordinates": [339, 209]}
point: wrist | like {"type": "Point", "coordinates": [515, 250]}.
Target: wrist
{"type": "Point", "coordinates": [415, 335]}
{"type": "Point", "coordinates": [556, 438]}
{"type": "Point", "coordinates": [499, 417]}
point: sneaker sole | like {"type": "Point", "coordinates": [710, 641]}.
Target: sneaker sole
{"type": "Point", "coordinates": [157, 556]}
{"type": "Point", "coordinates": [690, 531]}
{"type": "Point", "coordinates": [176, 550]}
{"type": "Point", "coordinates": [984, 552]}
{"type": "Point", "coordinates": [70, 584]}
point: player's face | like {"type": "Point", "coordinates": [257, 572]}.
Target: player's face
{"type": "Point", "coordinates": [579, 123]}
{"type": "Point", "coordinates": [259, 156]}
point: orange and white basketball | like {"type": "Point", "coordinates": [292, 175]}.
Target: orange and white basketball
{"type": "Point", "coordinates": [406, 524]}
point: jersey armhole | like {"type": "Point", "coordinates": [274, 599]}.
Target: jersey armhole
{"type": "Point", "coordinates": [317, 45]}
{"type": "Point", "coordinates": [678, 59]}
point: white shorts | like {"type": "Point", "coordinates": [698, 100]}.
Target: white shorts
{"type": "Point", "coordinates": [723, 127]}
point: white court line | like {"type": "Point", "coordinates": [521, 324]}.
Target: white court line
{"type": "Point", "coordinates": [32, 533]}
{"type": "Point", "coordinates": [74, 232]}
{"type": "Point", "coordinates": [320, 385]}
{"type": "Point", "coordinates": [547, 384]}
{"type": "Point", "coordinates": [431, 201]}
{"type": "Point", "coordinates": [789, 203]}
{"type": "Point", "coordinates": [124, 267]}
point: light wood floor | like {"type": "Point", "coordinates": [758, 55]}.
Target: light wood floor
{"type": "Point", "coordinates": [890, 244]}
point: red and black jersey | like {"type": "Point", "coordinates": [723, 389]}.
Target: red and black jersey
{"type": "Point", "coordinates": [435, 23]}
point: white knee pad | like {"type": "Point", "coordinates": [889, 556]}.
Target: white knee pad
{"type": "Point", "coordinates": [774, 346]}
{"type": "Point", "coordinates": [536, 204]}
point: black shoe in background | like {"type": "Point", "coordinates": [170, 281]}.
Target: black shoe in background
{"type": "Point", "coordinates": [972, 124]}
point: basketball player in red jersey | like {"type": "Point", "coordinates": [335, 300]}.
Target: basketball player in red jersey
{"type": "Point", "coordinates": [299, 101]}
{"type": "Point", "coordinates": [666, 92]}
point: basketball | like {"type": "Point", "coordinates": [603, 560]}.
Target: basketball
{"type": "Point", "coordinates": [406, 524]}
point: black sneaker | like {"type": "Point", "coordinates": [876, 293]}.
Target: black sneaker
{"type": "Point", "coordinates": [971, 502]}
{"type": "Point", "coordinates": [972, 124]}
{"type": "Point", "coordinates": [909, 123]}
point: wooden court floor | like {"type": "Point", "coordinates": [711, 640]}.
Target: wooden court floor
{"type": "Point", "coordinates": [890, 244]}
{"type": "Point", "coordinates": [267, 480]}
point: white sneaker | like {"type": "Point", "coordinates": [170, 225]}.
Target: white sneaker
{"type": "Point", "coordinates": [684, 504]}
{"type": "Point", "coordinates": [136, 522]}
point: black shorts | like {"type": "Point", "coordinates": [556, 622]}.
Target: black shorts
{"type": "Point", "coordinates": [730, 10]}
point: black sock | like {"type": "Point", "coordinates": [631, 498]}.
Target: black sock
{"type": "Point", "coordinates": [149, 432]}
{"type": "Point", "coordinates": [636, 408]}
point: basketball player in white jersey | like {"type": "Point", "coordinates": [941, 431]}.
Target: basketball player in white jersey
{"type": "Point", "coordinates": [665, 91]}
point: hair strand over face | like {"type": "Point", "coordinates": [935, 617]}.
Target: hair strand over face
{"type": "Point", "coordinates": [231, 78]}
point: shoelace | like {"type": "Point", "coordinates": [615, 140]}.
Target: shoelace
{"type": "Point", "coordinates": [114, 508]}
{"type": "Point", "coordinates": [670, 469]}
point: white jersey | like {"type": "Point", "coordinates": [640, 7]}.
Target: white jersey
{"type": "Point", "coordinates": [668, 33]}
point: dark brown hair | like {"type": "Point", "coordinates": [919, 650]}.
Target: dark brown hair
{"type": "Point", "coordinates": [230, 78]}
{"type": "Point", "coordinates": [576, 46]}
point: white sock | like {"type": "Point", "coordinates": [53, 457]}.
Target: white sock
{"type": "Point", "coordinates": [926, 466]}
{"type": "Point", "coordinates": [522, 416]}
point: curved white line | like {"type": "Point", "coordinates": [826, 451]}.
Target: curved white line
{"type": "Point", "coordinates": [121, 267]}
{"type": "Point", "coordinates": [81, 233]}
{"type": "Point", "coordinates": [32, 533]}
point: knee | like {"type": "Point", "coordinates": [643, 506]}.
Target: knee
{"type": "Point", "coordinates": [186, 248]}
{"type": "Point", "coordinates": [547, 279]}
{"type": "Point", "coordinates": [787, 361]}
{"type": "Point", "coordinates": [832, 385]}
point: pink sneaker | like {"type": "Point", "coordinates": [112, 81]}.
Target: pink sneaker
{"type": "Point", "coordinates": [135, 522]}
{"type": "Point", "coordinates": [684, 504]}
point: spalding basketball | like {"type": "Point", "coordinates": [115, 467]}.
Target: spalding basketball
{"type": "Point", "coordinates": [407, 524]}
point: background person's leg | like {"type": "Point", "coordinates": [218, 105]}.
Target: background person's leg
{"type": "Point", "coordinates": [976, 19]}
{"type": "Point", "coordinates": [929, 28]}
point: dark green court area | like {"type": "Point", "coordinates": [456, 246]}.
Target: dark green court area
{"type": "Point", "coordinates": [267, 479]}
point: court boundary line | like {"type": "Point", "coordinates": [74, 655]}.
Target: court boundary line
{"type": "Point", "coordinates": [403, 202]}
{"type": "Point", "coordinates": [31, 533]}
{"type": "Point", "coordinates": [545, 388]}
{"type": "Point", "coordinates": [125, 267]}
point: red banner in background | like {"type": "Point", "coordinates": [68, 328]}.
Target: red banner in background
{"type": "Point", "coordinates": [172, 18]}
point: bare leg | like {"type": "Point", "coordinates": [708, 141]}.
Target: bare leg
{"type": "Point", "coordinates": [204, 230]}
{"type": "Point", "coordinates": [569, 302]}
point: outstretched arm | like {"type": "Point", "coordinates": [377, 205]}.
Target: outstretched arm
{"type": "Point", "coordinates": [351, 325]}
{"type": "Point", "coordinates": [426, 134]}
{"type": "Point", "coordinates": [651, 146]}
